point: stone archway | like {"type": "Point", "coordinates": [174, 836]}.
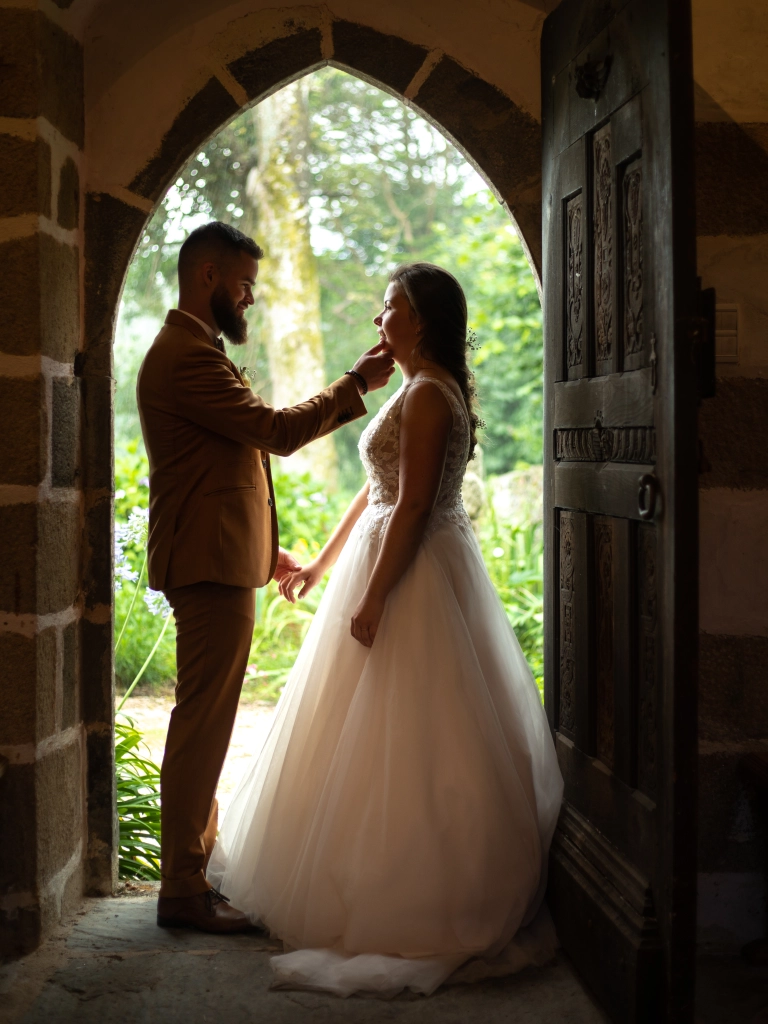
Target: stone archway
{"type": "Point", "coordinates": [500, 139]}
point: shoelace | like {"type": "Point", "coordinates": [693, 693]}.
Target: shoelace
{"type": "Point", "coordinates": [214, 897]}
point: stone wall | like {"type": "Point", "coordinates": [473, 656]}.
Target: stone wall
{"type": "Point", "coordinates": [732, 218]}
{"type": "Point", "coordinates": [42, 740]}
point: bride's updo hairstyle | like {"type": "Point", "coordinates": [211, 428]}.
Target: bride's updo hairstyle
{"type": "Point", "coordinates": [437, 298]}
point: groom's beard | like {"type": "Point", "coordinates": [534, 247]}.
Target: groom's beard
{"type": "Point", "coordinates": [233, 326]}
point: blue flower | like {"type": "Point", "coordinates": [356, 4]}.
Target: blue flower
{"type": "Point", "coordinates": [157, 602]}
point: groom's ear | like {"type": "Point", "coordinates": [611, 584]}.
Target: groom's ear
{"type": "Point", "coordinates": [209, 273]}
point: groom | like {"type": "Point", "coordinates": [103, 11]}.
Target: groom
{"type": "Point", "coordinates": [213, 534]}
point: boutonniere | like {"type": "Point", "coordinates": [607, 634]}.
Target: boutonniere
{"type": "Point", "coordinates": [247, 376]}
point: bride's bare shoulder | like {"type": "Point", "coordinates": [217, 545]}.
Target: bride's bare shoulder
{"type": "Point", "coordinates": [425, 402]}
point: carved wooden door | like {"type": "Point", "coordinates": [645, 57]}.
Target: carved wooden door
{"type": "Point", "coordinates": [621, 495]}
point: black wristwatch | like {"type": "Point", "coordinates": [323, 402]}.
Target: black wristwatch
{"type": "Point", "coordinates": [359, 378]}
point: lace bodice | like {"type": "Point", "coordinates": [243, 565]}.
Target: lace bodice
{"type": "Point", "coordinates": [380, 453]}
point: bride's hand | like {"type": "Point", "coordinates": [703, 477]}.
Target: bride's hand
{"type": "Point", "coordinates": [310, 576]}
{"type": "Point", "coordinates": [286, 564]}
{"type": "Point", "coordinates": [365, 621]}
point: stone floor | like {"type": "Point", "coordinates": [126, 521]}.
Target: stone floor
{"type": "Point", "coordinates": [115, 965]}
{"type": "Point", "coordinates": [112, 964]}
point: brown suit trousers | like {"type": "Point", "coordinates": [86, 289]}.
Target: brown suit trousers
{"type": "Point", "coordinates": [214, 626]}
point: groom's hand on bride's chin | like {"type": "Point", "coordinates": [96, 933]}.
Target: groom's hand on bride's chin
{"type": "Point", "coordinates": [376, 366]}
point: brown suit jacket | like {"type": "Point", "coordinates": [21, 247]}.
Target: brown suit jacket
{"type": "Point", "coordinates": [208, 437]}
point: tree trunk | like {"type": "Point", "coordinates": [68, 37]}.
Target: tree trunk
{"type": "Point", "coordinates": [289, 283]}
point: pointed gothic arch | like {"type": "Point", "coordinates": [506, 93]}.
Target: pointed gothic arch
{"type": "Point", "coordinates": [500, 139]}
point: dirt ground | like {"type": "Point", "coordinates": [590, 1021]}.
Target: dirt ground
{"type": "Point", "coordinates": [150, 714]}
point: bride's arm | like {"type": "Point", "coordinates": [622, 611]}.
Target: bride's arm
{"type": "Point", "coordinates": [425, 427]}
{"type": "Point", "coordinates": [314, 571]}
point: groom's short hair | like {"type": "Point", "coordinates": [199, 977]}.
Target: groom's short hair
{"type": "Point", "coordinates": [215, 242]}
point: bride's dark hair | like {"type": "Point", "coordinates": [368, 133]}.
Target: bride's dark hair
{"type": "Point", "coordinates": [437, 298]}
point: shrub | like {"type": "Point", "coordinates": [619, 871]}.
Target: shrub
{"type": "Point", "coordinates": [514, 555]}
{"type": "Point", "coordinates": [138, 805]}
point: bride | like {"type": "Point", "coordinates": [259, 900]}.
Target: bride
{"type": "Point", "coordinates": [397, 822]}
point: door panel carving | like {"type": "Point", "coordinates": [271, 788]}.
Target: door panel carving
{"type": "Point", "coordinates": [605, 444]}
{"type": "Point", "coordinates": [603, 221]}
{"type": "Point", "coordinates": [574, 318]}
{"type": "Point", "coordinates": [567, 625]}
{"type": "Point", "coordinates": [632, 195]}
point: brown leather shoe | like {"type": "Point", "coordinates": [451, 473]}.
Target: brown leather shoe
{"type": "Point", "coordinates": [208, 911]}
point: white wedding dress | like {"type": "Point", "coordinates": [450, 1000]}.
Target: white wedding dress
{"type": "Point", "coordinates": [397, 821]}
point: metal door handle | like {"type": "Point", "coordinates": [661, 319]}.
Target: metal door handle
{"type": "Point", "coordinates": [647, 492]}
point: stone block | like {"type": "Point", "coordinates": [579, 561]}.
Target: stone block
{"type": "Point", "coordinates": [23, 430]}
{"type": "Point", "coordinates": [42, 71]}
{"type": "Point", "coordinates": [18, 558]}
{"type": "Point", "coordinates": [112, 231]}
{"type": "Point", "coordinates": [733, 819]}
{"type": "Point", "coordinates": [97, 455]}
{"type": "Point", "coordinates": [65, 432]}
{"type": "Point", "coordinates": [39, 557]}
{"type": "Point", "coordinates": [20, 295]}
{"type": "Point", "coordinates": [59, 293]}
{"type": "Point", "coordinates": [208, 110]}
{"type": "Point", "coordinates": [28, 688]}
{"type": "Point", "coordinates": [58, 548]}
{"type": "Point", "coordinates": [278, 61]}
{"type": "Point", "coordinates": [384, 59]}
{"type": "Point", "coordinates": [68, 199]}
{"type": "Point", "coordinates": [62, 91]}
{"type": "Point", "coordinates": [101, 858]}
{"type": "Point", "coordinates": [97, 675]}
{"type": "Point", "coordinates": [732, 426]}
{"type": "Point", "coordinates": [98, 554]}
{"type": "Point", "coordinates": [25, 176]}
{"type": "Point", "coordinates": [61, 898]}
{"type": "Point", "coordinates": [69, 676]}
{"type": "Point", "coordinates": [39, 297]}
{"type": "Point", "coordinates": [20, 930]}
{"type": "Point", "coordinates": [18, 859]}
{"type": "Point", "coordinates": [731, 171]}
{"type": "Point", "coordinates": [59, 784]}
{"type": "Point", "coordinates": [733, 687]}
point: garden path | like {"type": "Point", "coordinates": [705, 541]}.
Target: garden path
{"type": "Point", "coordinates": [150, 715]}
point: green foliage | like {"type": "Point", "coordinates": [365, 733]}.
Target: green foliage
{"type": "Point", "coordinates": [138, 630]}
{"type": "Point", "coordinates": [308, 512]}
{"type": "Point", "coordinates": [514, 556]}
{"type": "Point", "coordinates": [278, 634]}
{"type": "Point", "coordinates": [383, 186]}
{"type": "Point", "coordinates": [138, 804]}
{"type": "Point", "coordinates": [308, 515]}
{"type": "Point", "coordinates": [487, 257]}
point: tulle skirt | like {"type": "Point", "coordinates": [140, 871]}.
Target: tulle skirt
{"type": "Point", "coordinates": [397, 821]}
